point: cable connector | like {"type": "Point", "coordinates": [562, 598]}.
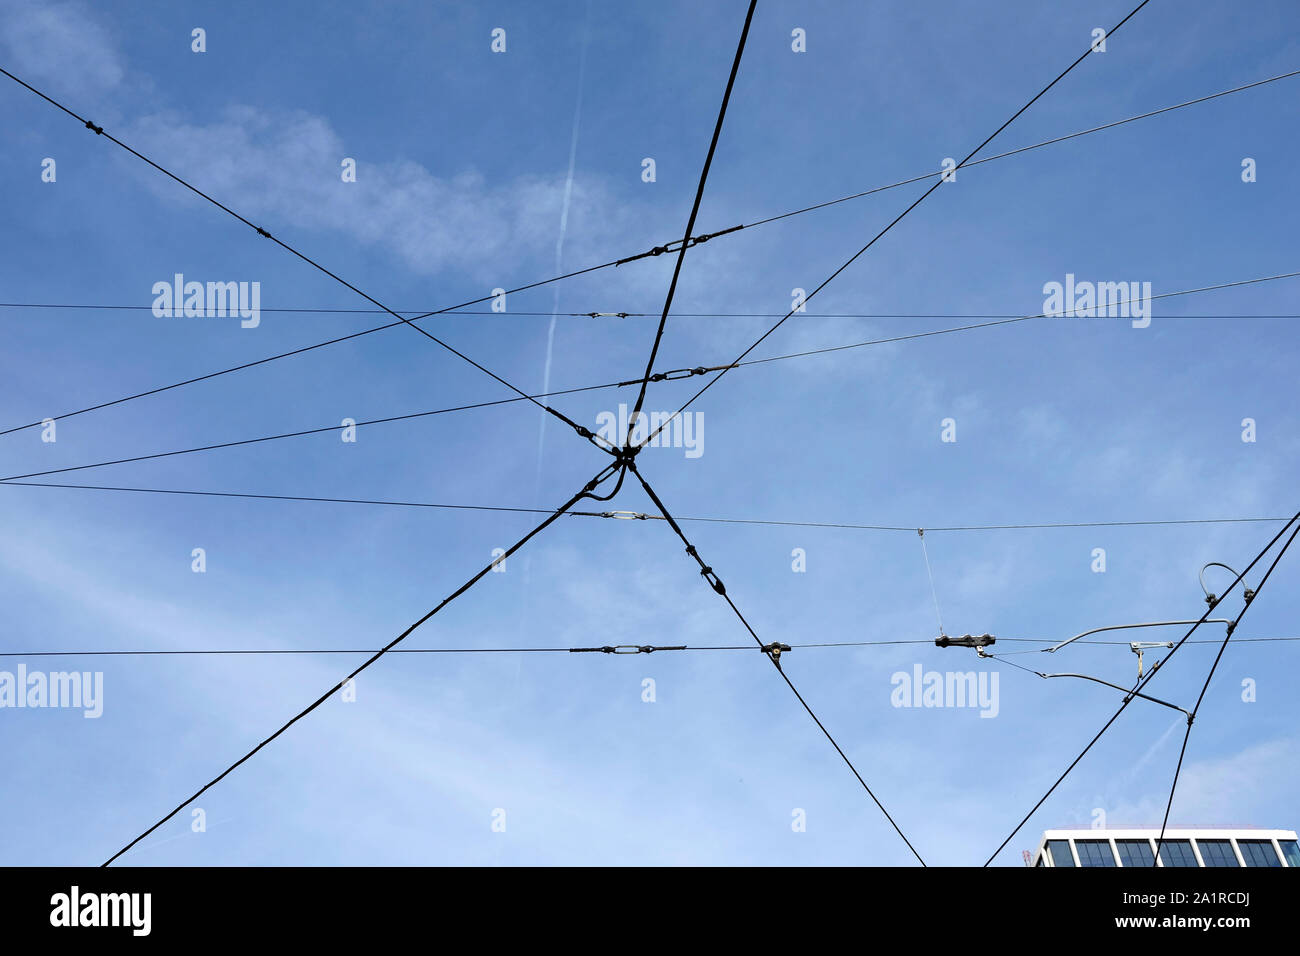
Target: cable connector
{"type": "Point", "coordinates": [774, 650]}
{"type": "Point", "coordinates": [606, 315]}
{"type": "Point", "coordinates": [676, 374]}
{"type": "Point", "coordinates": [714, 581]}
{"type": "Point", "coordinates": [966, 640]}
{"type": "Point", "coordinates": [98, 130]}
{"type": "Point", "coordinates": [677, 245]}
{"type": "Point", "coordinates": [625, 515]}
{"type": "Point", "coordinates": [262, 232]}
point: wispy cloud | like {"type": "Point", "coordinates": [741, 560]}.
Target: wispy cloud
{"type": "Point", "coordinates": [60, 44]}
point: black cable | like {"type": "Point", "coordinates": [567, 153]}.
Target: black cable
{"type": "Point", "coordinates": [707, 573]}
{"type": "Point", "coordinates": [640, 315]}
{"type": "Point", "coordinates": [660, 376]}
{"type": "Point", "coordinates": [311, 262]}
{"type": "Point", "coordinates": [260, 651]}
{"type": "Point", "coordinates": [302, 432]}
{"type": "Point", "coordinates": [894, 222]}
{"type": "Point", "coordinates": [426, 650]}
{"type": "Point", "coordinates": [1206, 686]}
{"type": "Point", "coordinates": [1025, 149]}
{"type": "Point", "coordinates": [603, 475]}
{"type": "Point", "coordinates": [980, 325]}
{"type": "Point", "coordinates": [690, 224]}
{"type": "Point", "coordinates": [1141, 685]}
{"type": "Point", "coordinates": [615, 262]}
{"type": "Point", "coordinates": [610, 514]}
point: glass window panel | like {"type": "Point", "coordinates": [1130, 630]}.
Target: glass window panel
{"type": "Point", "coordinates": [1094, 853]}
{"type": "Point", "coordinates": [1258, 853]}
{"type": "Point", "coordinates": [1135, 852]}
{"type": "Point", "coordinates": [1217, 852]}
{"type": "Point", "coordinates": [1291, 850]}
{"type": "Point", "coordinates": [1060, 850]}
{"type": "Point", "coordinates": [1177, 853]}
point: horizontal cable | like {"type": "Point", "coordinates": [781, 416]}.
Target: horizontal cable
{"type": "Point", "coordinates": [613, 262]}
{"type": "Point", "coordinates": [267, 651]}
{"type": "Point", "coordinates": [626, 515]}
{"type": "Point", "coordinates": [659, 376]}
{"type": "Point", "coordinates": [1008, 321]}
{"type": "Point", "coordinates": [1025, 149]}
{"type": "Point", "coordinates": [649, 315]}
{"type": "Point", "coordinates": [435, 650]}
{"type": "Point", "coordinates": [99, 130]}
{"type": "Point", "coordinates": [308, 431]}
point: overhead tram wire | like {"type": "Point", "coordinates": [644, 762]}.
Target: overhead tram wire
{"type": "Point", "coordinates": [773, 652]}
{"type": "Point", "coordinates": [690, 224]}
{"type": "Point", "coordinates": [297, 434]}
{"type": "Point", "coordinates": [586, 492]}
{"type": "Point", "coordinates": [1025, 149]}
{"type": "Point", "coordinates": [1191, 718]}
{"type": "Point", "coordinates": [986, 325]}
{"type": "Point", "coordinates": [647, 315]}
{"type": "Point", "coordinates": [617, 469]}
{"type": "Point", "coordinates": [628, 452]}
{"type": "Point", "coordinates": [658, 250]}
{"type": "Point", "coordinates": [277, 651]}
{"type": "Point", "coordinates": [897, 219]}
{"type": "Point", "coordinates": [1142, 683]}
{"type": "Point", "coordinates": [99, 130]}
{"type": "Point", "coordinates": [632, 515]}
{"type": "Point", "coordinates": [271, 652]}
{"type": "Point", "coordinates": [658, 376]}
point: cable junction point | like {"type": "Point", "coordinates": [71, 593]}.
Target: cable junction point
{"type": "Point", "coordinates": [774, 650]}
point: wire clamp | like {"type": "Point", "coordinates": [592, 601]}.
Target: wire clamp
{"type": "Point", "coordinates": [774, 650]}
{"type": "Point", "coordinates": [714, 581]}
{"type": "Point", "coordinates": [677, 373]}
{"type": "Point", "coordinates": [966, 640]}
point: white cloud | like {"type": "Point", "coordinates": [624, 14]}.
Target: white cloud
{"type": "Point", "coordinates": [59, 44]}
{"type": "Point", "coordinates": [282, 169]}
{"type": "Point", "coordinates": [1227, 791]}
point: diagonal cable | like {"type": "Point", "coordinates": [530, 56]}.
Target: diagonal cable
{"type": "Point", "coordinates": [690, 223]}
{"type": "Point", "coordinates": [658, 250]}
{"type": "Point", "coordinates": [1140, 686]}
{"type": "Point", "coordinates": [99, 130]}
{"type": "Point", "coordinates": [897, 219]}
{"type": "Point", "coordinates": [772, 651]}
{"type": "Point", "coordinates": [1206, 686]}
{"type": "Point", "coordinates": [586, 492]}
{"type": "Point", "coordinates": [658, 376]}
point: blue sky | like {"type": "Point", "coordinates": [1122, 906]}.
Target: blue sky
{"type": "Point", "coordinates": [463, 168]}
